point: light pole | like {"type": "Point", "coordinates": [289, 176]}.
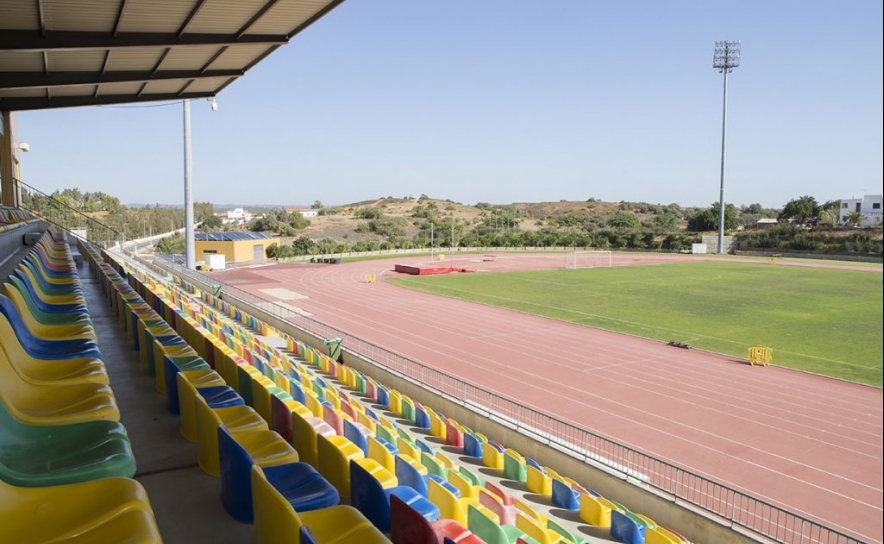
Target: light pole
{"type": "Point", "coordinates": [190, 247]}
{"type": "Point", "coordinates": [189, 244]}
{"type": "Point", "coordinates": [726, 58]}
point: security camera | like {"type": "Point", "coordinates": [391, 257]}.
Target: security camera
{"type": "Point", "coordinates": [24, 147]}
{"type": "Point", "coordinates": [214, 105]}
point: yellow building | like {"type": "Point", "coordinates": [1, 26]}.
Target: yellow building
{"type": "Point", "coordinates": [237, 247]}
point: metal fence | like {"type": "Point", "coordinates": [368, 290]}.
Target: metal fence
{"type": "Point", "coordinates": [59, 213]}
{"type": "Point", "coordinates": [739, 509]}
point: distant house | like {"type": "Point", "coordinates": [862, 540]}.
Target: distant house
{"type": "Point", "coordinates": [306, 213]}
{"type": "Point", "coordinates": [766, 223]}
{"type": "Point", "coordinates": [869, 206]}
{"type": "Point", "coordinates": [236, 216]}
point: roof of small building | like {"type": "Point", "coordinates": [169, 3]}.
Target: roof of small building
{"type": "Point", "coordinates": [230, 236]}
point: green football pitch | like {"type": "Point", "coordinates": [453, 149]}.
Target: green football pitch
{"type": "Point", "coordinates": [820, 320]}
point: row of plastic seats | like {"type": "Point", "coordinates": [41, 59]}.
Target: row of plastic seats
{"type": "Point", "coordinates": [494, 456]}
{"type": "Point", "coordinates": [339, 448]}
{"type": "Point", "coordinates": [345, 436]}
{"type": "Point", "coordinates": [65, 460]}
{"type": "Point", "coordinates": [339, 417]}
{"type": "Point", "coordinates": [13, 218]}
{"type": "Point", "coordinates": [625, 526]}
{"type": "Point", "coordinates": [234, 437]}
{"type": "Point", "coordinates": [340, 458]}
{"type": "Point", "coordinates": [341, 435]}
{"type": "Point", "coordinates": [470, 495]}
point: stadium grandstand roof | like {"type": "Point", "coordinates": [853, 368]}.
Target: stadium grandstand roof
{"type": "Point", "coordinates": [64, 53]}
{"type": "Point", "coordinates": [230, 236]}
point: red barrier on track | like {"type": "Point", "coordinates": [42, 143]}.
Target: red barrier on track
{"type": "Point", "coordinates": [428, 270]}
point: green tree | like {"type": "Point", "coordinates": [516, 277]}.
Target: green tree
{"type": "Point", "coordinates": [317, 205]}
{"type": "Point", "coordinates": [173, 245]}
{"type": "Point", "coordinates": [623, 220]}
{"type": "Point", "coordinates": [203, 210]}
{"type": "Point", "coordinates": [707, 220]}
{"type": "Point", "coordinates": [665, 222]}
{"type": "Point", "coordinates": [754, 209]}
{"type": "Point", "coordinates": [303, 245]}
{"type": "Point", "coordinates": [211, 222]}
{"type": "Point", "coordinates": [272, 251]}
{"type": "Point", "coordinates": [802, 211]}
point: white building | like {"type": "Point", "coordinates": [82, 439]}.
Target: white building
{"type": "Point", "coordinates": [306, 213]}
{"type": "Point", "coordinates": [869, 206]}
{"type": "Point", "coordinates": [235, 216]}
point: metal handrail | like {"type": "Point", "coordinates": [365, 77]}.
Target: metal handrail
{"type": "Point", "coordinates": [738, 508]}
{"type": "Point", "coordinates": [59, 214]}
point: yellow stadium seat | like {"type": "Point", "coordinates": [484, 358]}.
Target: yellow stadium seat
{"type": "Point", "coordinates": [335, 453]}
{"type": "Point", "coordinates": [234, 418]}
{"type": "Point", "coordinates": [93, 512]}
{"type": "Point", "coordinates": [276, 522]}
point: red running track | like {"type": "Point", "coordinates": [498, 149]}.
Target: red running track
{"type": "Point", "coordinates": [810, 443]}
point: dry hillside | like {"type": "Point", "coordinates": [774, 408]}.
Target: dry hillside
{"type": "Point", "coordinates": [341, 222]}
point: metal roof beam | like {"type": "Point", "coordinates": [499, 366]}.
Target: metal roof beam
{"type": "Point", "coordinates": [30, 80]}
{"type": "Point", "coordinates": [119, 18]}
{"type": "Point", "coordinates": [264, 9]}
{"type": "Point", "coordinates": [193, 13]}
{"type": "Point", "coordinates": [30, 41]}
{"type": "Point", "coordinates": [40, 103]}
{"type": "Point", "coordinates": [40, 17]}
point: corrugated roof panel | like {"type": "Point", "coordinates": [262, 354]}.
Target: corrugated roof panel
{"type": "Point", "coordinates": [134, 58]}
{"type": "Point", "coordinates": [155, 15]}
{"type": "Point", "coordinates": [189, 58]}
{"type": "Point", "coordinates": [207, 85]}
{"type": "Point", "coordinates": [286, 16]}
{"type": "Point", "coordinates": [164, 86]}
{"type": "Point", "coordinates": [20, 15]}
{"type": "Point", "coordinates": [21, 61]}
{"type": "Point", "coordinates": [119, 88]}
{"type": "Point", "coordinates": [76, 61]}
{"type": "Point", "coordinates": [80, 15]}
{"type": "Point", "coordinates": [73, 90]}
{"type": "Point", "coordinates": [22, 93]}
{"type": "Point", "coordinates": [225, 16]}
{"type": "Point", "coordinates": [237, 57]}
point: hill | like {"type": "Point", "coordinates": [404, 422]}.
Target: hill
{"type": "Point", "coordinates": [343, 222]}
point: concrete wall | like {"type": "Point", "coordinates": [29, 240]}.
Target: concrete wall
{"type": "Point", "coordinates": [792, 253]}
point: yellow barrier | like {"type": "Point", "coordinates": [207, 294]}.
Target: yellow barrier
{"type": "Point", "coordinates": [370, 278]}
{"type": "Point", "coordinates": [760, 355]}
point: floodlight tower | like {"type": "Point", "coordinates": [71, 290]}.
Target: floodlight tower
{"type": "Point", "coordinates": [189, 245]}
{"type": "Point", "coordinates": [189, 229]}
{"type": "Point", "coordinates": [726, 58]}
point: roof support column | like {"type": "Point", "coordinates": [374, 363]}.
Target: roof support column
{"type": "Point", "coordinates": [9, 188]}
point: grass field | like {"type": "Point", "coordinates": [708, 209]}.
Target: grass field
{"type": "Point", "coordinates": [815, 319]}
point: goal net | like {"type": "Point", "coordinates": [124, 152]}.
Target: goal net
{"type": "Point", "coordinates": [588, 259]}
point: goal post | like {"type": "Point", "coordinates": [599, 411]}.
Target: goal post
{"type": "Point", "coordinates": [588, 259]}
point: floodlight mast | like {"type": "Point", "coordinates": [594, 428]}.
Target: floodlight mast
{"type": "Point", "coordinates": [189, 245]}
{"type": "Point", "coordinates": [726, 58]}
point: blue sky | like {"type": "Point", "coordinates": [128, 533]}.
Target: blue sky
{"type": "Point", "coordinates": [510, 101]}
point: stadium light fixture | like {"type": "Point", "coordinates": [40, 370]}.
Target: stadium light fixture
{"type": "Point", "coordinates": [725, 59]}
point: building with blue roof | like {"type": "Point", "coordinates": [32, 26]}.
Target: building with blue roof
{"type": "Point", "coordinates": [237, 247]}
